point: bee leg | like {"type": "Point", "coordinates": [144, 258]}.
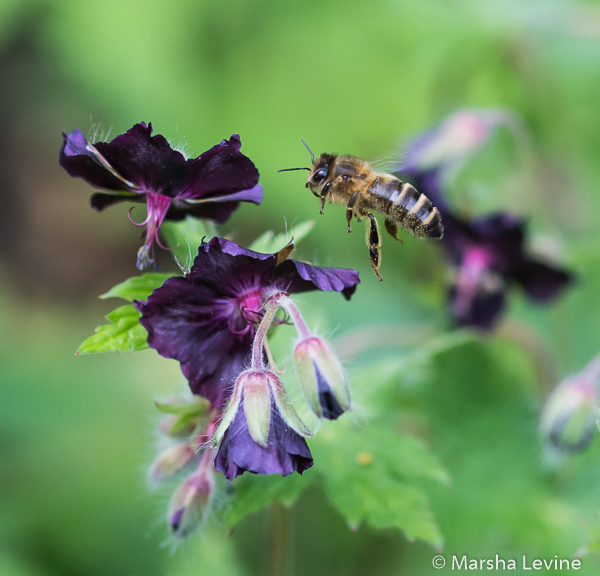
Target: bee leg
{"type": "Point", "coordinates": [392, 230]}
{"type": "Point", "coordinates": [323, 195]}
{"type": "Point", "coordinates": [374, 242]}
{"type": "Point", "coordinates": [350, 208]}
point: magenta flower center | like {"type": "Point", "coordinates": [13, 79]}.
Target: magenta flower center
{"type": "Point", "coordinates": [158, 206]}
{"type": "Point", "coordinates": [477, 261]}
{"type": "Point", "coordinates": [247, 312]}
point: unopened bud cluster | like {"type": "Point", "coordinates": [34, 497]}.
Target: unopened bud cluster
{"type": "Point", "coordinates": [259, 430]}
{"type": "Point", "coordinates": [184, 438]}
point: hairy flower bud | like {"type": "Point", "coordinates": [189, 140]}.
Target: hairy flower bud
{"type": "Point", "coordinates": [189, 503]}
{"type": "Point", "coordinates": [260, 431]}
{"type": "Point", "coordinates": [170, 461]}
{"type": "Point", "coordinates": [322, 377]}
{"type": "Point", "coordinates": [455, 139]}
{"type": "Point", "coordinates": [568, 419]}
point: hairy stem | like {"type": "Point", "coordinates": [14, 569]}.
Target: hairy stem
{"type": "Point", "coordinates": [301, 326]}
{"type": "Point", "coordinates": [261, 332]}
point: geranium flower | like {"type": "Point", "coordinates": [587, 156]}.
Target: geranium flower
{"type": "Point", "coordinates": [206, 320]}
{"type": "Point", "coordinates": [487, 253]}
{"type": "Point", "coordinates": [261, 432]}
{"type": "Point", "coordinates": [138, 167]}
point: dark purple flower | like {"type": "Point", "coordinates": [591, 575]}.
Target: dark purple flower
{"type": "Point", "coordinates": [207, 319]}
{"type": "Point", "coordinates": [486, 253]}
{"type": "Point", "coordinates": [261, 432]}
{"type": "Point", "coordinates": [139, 167]}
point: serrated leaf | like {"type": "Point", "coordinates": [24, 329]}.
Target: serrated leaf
{"type": "Point", "coordinates": [253, 493]}
{"type": "Point", "coordinates": [269, 243]}
{"type": "Point", "coordinates": [184, 236]}
{"type": "Point", "coordinates": [137, 287]}
{"type": "Point", "coordinates": [383, 502]}
{"type": "Point", "coordinates": [123, 334]}
{"type": "Point", "coordinates": [370, 474]}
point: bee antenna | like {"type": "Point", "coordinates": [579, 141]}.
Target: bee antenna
{"type": "Point", "coordinates": [290, 169]}
{"type": "Point", "coordinates": [312, 156]}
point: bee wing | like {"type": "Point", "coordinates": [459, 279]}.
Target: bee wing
{"type": "Point", "coordinates": [390, 162]}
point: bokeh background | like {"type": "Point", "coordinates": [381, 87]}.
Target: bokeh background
{"type": "Point", "coordinates": [76, 433]}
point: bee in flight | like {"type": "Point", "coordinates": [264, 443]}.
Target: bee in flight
{"type": "Point", "coordinates": [353, 183]}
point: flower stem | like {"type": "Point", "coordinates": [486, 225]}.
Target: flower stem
{"type": "Point", "coordinates": [261, 332]}
{"type": "Point", "coordinates": [278, 540]}
{"type": "Point", "coordinates": [301, 326]}
{"type": "Point", "coordinates": [272, 365]}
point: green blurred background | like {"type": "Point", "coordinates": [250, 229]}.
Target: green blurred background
{"type": "Point", "coordinates": [76, 433]}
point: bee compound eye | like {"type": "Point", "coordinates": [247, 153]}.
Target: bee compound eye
{"type": "Point", "coordinates": [320, 174]}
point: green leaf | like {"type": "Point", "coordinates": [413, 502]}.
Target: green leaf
{"type": "Point", "coordinates": [123, 334]}
{"type": "Point", "coordinates": [195, 408]}
{"type": "Point", "coordinates": [183, 424]}
{"type": "Point", "coordinates": [253, 493]}
{"type": "Point", "coordinates": [269, 243]}
{"type": "Point", "coordinates": [137, 287]}
{"type": "Point", "coordinates": [184, 236]}
{"type": "Point", "coordinates": [372, 474]}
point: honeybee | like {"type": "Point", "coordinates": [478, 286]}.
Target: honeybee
{"type": "Point", "coordinates": [353, 183]}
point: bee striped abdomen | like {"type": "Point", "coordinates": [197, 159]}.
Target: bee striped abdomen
{"type": "Point", "coordinates": [404, 204]}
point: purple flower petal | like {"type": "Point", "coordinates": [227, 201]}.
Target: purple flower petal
{"type": "Point", "coordinates": [285, 453]}
{"type": "Point", "coordinates": [183, 323]}
{"type": "Point", "coordinates": [78, 161]}
{"type": "Point", "coordinates": [147, 161]}
{"type": "Point", "coordinates": [221, 171]}
{"type": "Point", "coordinates": [294, 276]}
{"type": "Point", "coordinates": [331, 407]}
{"type": "Point", "coordinates": [541, 281]}
{"type": "Point", "coordinates": [290, 275]}
{"type": "Point", "coordinates": [99, 201]}
{"type": "Point", "coordinates": [483, 312]}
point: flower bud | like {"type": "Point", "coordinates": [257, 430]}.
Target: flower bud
{"type": "Point", "coordinates": [260, 431]}
{"type": "Point", "coordinates": [178, 425]}
{"type": "Point", "coordinates": [450, 143]}
{"type": "Point", "coordinates": [171, 461]}
{"type": "Point", "coordinates": [189, 503]}
{"type": "Point", "coordinates": [322, 377]}
{"type": "Point", "coordinates": [257, 406]}
{"type": "Point", "coordinates": [183, 415]}
{"type": "Point", "coordinates": [568, 419]}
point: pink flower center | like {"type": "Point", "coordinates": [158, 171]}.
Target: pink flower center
{"type": "Point", "coordinates": [476, 262]}
{"type": "Point", "coordinates": [158, 206]}
{"type": "Point", "coordinates": [247, 312]}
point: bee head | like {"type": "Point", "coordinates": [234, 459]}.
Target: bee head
{"type": "Point", "coordinates": [318, 173]}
